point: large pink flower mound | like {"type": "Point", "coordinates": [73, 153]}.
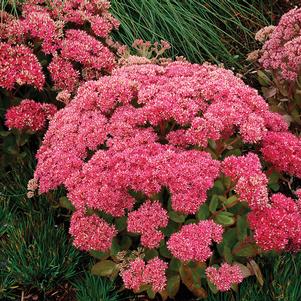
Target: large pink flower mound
{"type": "Point", "coordinates": [147, 130]}
{"type": "Point", "coordinates": [146, 127]}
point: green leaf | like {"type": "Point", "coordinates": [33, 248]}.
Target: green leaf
{"type": "Point", "coordinates": [190, 221]}
{"type": "Point", "coordinates": [263, 78]}
{"type": "Point", "coordinates": [273, 181]}
{"type": "Point", "coordinates": [231, 201]}
{"type": "Point", "coordinates": [173, 285]}
{"type": "Point", "coordinates": [177, 217]}
{"type": "Point", "coordinates": [218, 187]}
{"type": "Point", "coordinates": [227, 182]}
{"type": "Point", "coordinates": [104, 268]}
{"type": "Point", "coordinates": [227, 254]}
{"type": "Point", "coordinates": [99, 254]}
{"type": "Point", "coordinates": [164, 251]}
{"type": "Point", "coordinates": [64, 202]}
{"type": "Point", "coordinates": [230, 237]}
{"type": "Point", "coordinates": [150, 254]}
{"type": "Point", "coordinates": [275, 187]}
{"type": "Point", "coordinates": [120, 223]}
{"type": "Point", "coordinates": [203, 213]}
{"type": "Point", "coordinates": [213, 203]}
{"type": "Point", "coordinates": [233, 152]}
{"type": "Point", "coordinates": [243, 249]}
{"type": "Point", "coordinates": [171, 228]}
{"type": "Point", "coordinates": [242, 227]}
{"type": "Point", "coordinates": [4, 133]}
{"type": "Point", "coordinates": [115, 247]}
{"type": "Point", "coordinates": [212, 287]}
{"type": "Point", "coordinates": [150, 293]}
{"type": "Point", "coordinates": [174, 265]}
{"type": "Point", "coordinates": [224, 218]}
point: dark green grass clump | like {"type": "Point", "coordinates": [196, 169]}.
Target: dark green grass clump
{"type": "Point", "coordinates": [36, 252]}
{"type": "Point", "coordinates": [94, 288]}
{"type": "Point", "coordinates": [219, 31]}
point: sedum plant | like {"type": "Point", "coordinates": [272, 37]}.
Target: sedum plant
{"type": "Point", "coordinates": [177, 175]}
{"type": "Point", "coordinates": [279, 65]}
{"type": "Point", "coordinates": [48, 49]}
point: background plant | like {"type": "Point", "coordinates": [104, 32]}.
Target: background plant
{"type": "Point", "coordinates": [38, 60]}
{"type": "Point", "coordinates": [198, 30]}
{"type": "Point", "coordinates": [95, 288]}
{"type": "Point", "coordinates": [279, 67]}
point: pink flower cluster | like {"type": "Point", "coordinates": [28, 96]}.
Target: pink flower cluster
{"type": "Point", "coordinates": [146, 221]}
{"type": "Point", "coordinates": [63, 74]}
{"type": "Point", "coordinates": [193, 241]}
{"type": "Point", "coordinates": [225, 276]}
{"type": "Point", "coordinates": [138, 273]}
{"type": "Point", "coordinates": [94, 12]}
{"type": "Point", "coordinates": [91, 232]}
{"type": "Point", "coordinates": [73, 50]}
{"type": "Point", "coordinates": [18, 65]}
{"type": "Point", "coordinates": [104, 182]}
{"type": "Point", "coordinates": [168, 100]}
{"type": "Point", "coordinates": [251, 182]}
{"type": "Point", "coordinates": [29, 115]}
{"type": "Point", "coordinates": [281, 52]}
{"type": "Point", "coordinates": [278, 226]}
{"type": "Point", "coordinates": [283, 150]}
{"type": "Point", "coordinates": [80, 47]}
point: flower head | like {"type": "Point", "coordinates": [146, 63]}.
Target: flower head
{"type": "Point", "coordinates": [29, 115]}
{"type": "Point", "coordinates": [91, 232]}
{"type": "Point", "coordinates": [193, 241]}
{"type": "Point", "coordinates": [225, 276]}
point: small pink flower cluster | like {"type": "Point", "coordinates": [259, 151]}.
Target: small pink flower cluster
{"type": "Point", "coordinates": [225, 276]}
{"type": "Point", "coordinates": [72, 50]}
{"type": "Point", "coordinates": [283, 150]}
{"type": "Point", "coordinates": [91, 232]}
{"type": "Point", "coordinates": [138, 273]}
{"type": "Point", "coordinates": [281, 52]}
{"type": "Point", "coordinates": [193, 241]}
{"type": "Point", "coordinates": [251, 182]}
{"type": "Point", "coordinates": [63, 74]}
{"type": "Point", "coordinates": [29, 115]}
{"type": "Point", "coordinates": [80, 47]}
{"type": "Point", "coordinates": [146, 221]}
{"type": "Point", "coordinates": [277, 227]}
{"type": "Point", "coordinates": [94, 12]}
{"type": "Point", "coordinates": [18, 65]}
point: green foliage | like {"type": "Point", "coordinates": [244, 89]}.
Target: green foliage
{"type": "Point", "coordinates": [93, 288]}
{"type": "Point", "coordinates": [283, 97]}
{"type": "Point", "coordinates": [37, 254]}
{"type": "Point", "coordinates": [7, 287]}
{"type": "Point", "coordinates": [219, 31]}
